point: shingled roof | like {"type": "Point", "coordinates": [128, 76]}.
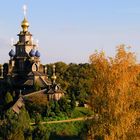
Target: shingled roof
{"type": "Point", "coordinates": [36, 73]}
{"type": "Point", "coordinates": [55, 89]}
{"type": "Point", "coordinates": [18, 105]}
{"type": "Point", "coordinates": [40, 80]}
{"type": "Point", "coordinates": [20, 102]}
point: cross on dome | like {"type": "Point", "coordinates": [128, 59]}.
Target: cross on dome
{"type": "Point", "coordinates": [25, 23]}
{"type": "Point", "coordinates": [24, 10]}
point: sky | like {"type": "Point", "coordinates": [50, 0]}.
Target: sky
{"type": "Point", "coordinates": [71, 30]}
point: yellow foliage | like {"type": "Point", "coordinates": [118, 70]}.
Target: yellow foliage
{"type": "Point", "coordinates": [115, 91]}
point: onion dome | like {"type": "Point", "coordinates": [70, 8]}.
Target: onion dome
{"type": "Point", "coordinates": [32, 53]}
{"type": "Point", "coordinates": [25, 25]}
{"type": "Point", "coordinates": [12, 53]}
{"type": "Point", "coordinates": [37, 54]}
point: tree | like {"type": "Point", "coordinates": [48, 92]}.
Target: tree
{"type": "Point", "coordinates": [8, 98]}
{"type": "Point", "coordinates": [36, 103]}
{"type": "Point", "coordinates": [74, 78]}
{"type": "Point", "coordinates": [57, 108]}
{"type": "Point", "coordinates": [64, 105]}
{"type": "Point", "coordinates": [16, 126]}
{"type": "Point", "coordinates": [73, 102]}
{"type": "Point", "coordinates": [36, 86]}
{"type": "Point", "coordinates": [39, 132]}
{"type": "Point", "coordinates": [115, 92]}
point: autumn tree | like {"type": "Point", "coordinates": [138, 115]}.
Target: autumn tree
{"type": "Point", "coordinates": [115, 93]}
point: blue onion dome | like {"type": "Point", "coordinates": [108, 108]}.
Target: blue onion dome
{"type": "Point", "coordinates": [37, 54]}
{"type": "Point", "coordinates": [32, 52]}
{"type": "Point", "coordinates": [12, 53]}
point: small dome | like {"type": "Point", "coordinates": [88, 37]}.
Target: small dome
{"type": "Point", "coordinates": [12, 53]}
{"type": "Point", "coordinates": [25, 25]}
{"type": "Point", "coordinates": [37, 54]}
{"type": "Point", "coordinates": [32, 53]}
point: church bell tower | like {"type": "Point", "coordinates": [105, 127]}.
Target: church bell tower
{"type": "Point", "coordinates": [25, 51]}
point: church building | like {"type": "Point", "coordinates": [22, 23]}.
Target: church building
{"type": "Point", "coordinates": [24, 68]}
{"type": "Point", "coordinates": [25, 71]}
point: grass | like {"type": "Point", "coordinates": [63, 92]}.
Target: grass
{"type": "Point", "coordinates": [76, 113]}
{"type": "Point", "coordinates": [70, 130]}
{"type": "Point", "coordinates": [81, 112]}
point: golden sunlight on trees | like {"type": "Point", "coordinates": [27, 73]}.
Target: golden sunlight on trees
{"type": "Point", "coordinates": [115, 96]}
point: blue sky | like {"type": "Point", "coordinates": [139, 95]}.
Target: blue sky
{"type": "Point", "coordinates": [70, 30]}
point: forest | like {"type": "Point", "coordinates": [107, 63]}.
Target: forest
{"type": "Point", "coordinates": [109, 86]}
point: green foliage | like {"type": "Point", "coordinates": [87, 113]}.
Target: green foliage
{"type": "Point", "coordinates": [37, 118]}
{"type": "Point", "coordinates": [36, 87]}
{"type": "Point", "coordinates": [37, 103]}
{"type": "Point", "coordinates": [73, 102]}
{"type": "Point", "coordinates": [8, 98]}
{"type": "Point", "coordinates": [58, 108]}
{"type": "Point", "coordinates": [64, 106]}
{"type": "Point", "coordinates": [40, 133]}
{"type": "Point", "coordinates": [65, 130]}
{"type": "Point", "coordinates": [15, 127]}
{"type": "Point", "coordinates": [81, 112]}
{"type": "Point", "coordinates": [74, 78]}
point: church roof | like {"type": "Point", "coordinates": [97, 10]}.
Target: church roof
{"type": "Point", "coordinates": [20, 102]}
{"type": "Point", "coordinates": [36, 92]}
{"type": "Point", "coordinates": [29, 82]}
{"type": "Point", "coordinates": [40, 80]}
{"type": "Point", "coordinates": [17, 106]}
{"type": "Point", "coordinates": [36, 73]}
{"type": "Point", "coordinates": [55, 89]}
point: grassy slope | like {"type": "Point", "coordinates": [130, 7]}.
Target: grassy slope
{"type": "Point", "coordinates": [71, 130]}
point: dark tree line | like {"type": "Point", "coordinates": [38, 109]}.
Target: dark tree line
{"type": "Point", "coordinates": [75, 79]}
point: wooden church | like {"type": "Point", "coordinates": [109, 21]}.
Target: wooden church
{"type": "Point", "coordinates": [24, 70]}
